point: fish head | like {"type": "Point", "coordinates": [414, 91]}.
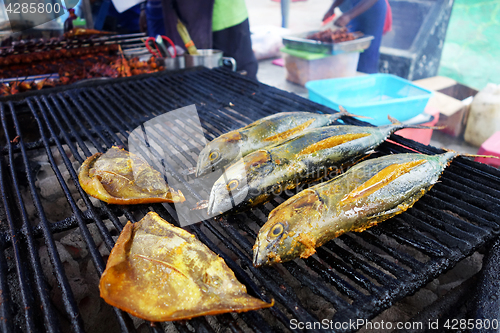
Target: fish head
{"type": "Point", "coordinates": [219, 153]}
{"type": "Point", "coordinates": [240, 184]}
{"type": "Point", "coordinates": [291, 230]}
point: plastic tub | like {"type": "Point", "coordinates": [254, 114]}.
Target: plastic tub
{"type": "Point", "coordinates": [302, 66]}
{"type": "Point", "coordinates": [421, 135]}
{"type": "Point", "coordinates": [490, 147]}
{"type": "Point", "coordinates": [374, 95]}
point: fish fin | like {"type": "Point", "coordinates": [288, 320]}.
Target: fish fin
{"type": "Point", "coordinates": [393, 120]}
{"type": "Point", "coordinates": [377, 218]}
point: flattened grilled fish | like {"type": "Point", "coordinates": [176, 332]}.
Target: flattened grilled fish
{"type": "Point", "coordinates": [159, 272]}
{"type": "Point", "coordinates": [304, 158]}
{"type": "Point", "coordinates": [370, 192]}
{"type": "Point", "coordinates": [123, 178]}
{"type": "Point", "coordinates": [222, 151]}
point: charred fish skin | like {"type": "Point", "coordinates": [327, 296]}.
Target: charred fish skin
{"type": "Point", "coordinates": [304, 158]}
{"type": "Point", "coordinates": [225, 149]}
{"type": "Point", "coordinates": [370, 192]}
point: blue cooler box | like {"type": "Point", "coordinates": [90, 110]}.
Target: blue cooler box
{"type": "Point", "coordinates": [374, 96]}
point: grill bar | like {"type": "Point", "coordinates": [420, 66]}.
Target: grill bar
{"type": "Point", "coordinates": [26, 295]}
{"type": "Point", "coordinates": [487, 305]}
{"type": "Point", "coordinates": [41, 288]}
{"type": "Point", "coordinates": [96, 257]}
{"type": "Point", "coordinates": [5, 324]}
{"type": "Point", "coordinates": [359, 275]}
{"type": "Point", "coordinates": [75, 178]}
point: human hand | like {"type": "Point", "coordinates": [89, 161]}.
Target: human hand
{"type": "Point", "coordinates": [343, 20]}
{"type": "Point", "coordinates": [329, 13]}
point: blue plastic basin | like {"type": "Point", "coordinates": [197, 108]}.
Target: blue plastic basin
{"type": "Point", "coordinates": [374, 96]}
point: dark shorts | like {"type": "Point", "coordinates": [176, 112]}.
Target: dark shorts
{"type": "Point", "coordinates": [235, 42]}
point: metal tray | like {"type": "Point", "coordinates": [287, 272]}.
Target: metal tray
{"type": "Point", "coordinates": [300, 42]}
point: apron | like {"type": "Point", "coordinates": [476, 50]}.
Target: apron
{"type": "Point", "coordinates": [371, 23]}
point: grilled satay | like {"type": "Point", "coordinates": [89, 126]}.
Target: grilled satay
{"type": "Point", "coordinates": [370, 192]}
{"type": "Point", "coordinates": [333, 36]}
{"type": "Point", "coordinates": [159, 272]}
{"type": "Point", "coordinates": [4, 89]}
{"type": "Point", "coordinates": [76, 32]}
{"type": "Point", "coordinates": [310, 156]}
{"type": "Point", "coordinates": [224, 150]}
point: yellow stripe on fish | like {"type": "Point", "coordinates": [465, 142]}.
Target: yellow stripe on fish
{"type": "Point", "coordinates": [378, 181]}
{"type": "Point", "coordinates": [291, 131]}
{"type": "Point", "coordinates": [331, 142]}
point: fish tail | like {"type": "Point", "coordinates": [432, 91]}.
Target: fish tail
{"type": "Point", "coordinates": [449, 155]}
{"type": "Point", "coordinates": [398, 125]}
{"type": "Point", "coordinates": [483, 156]}
{"type": "Point", "coordinates": [343, 112]}
{"type": "Point", "coordinates": [452, 154]}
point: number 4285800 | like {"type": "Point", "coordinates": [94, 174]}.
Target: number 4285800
{"type": "Point", "coordinates": [455, 324]}
{"type": "Point", "coordinates": [34, 7]}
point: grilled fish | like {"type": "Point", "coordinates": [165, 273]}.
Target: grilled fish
{"type": "Point", "coordinates": [159, 272]}
{"type": "Point", "coordinates": [225, 149]}
{"type": "Point", "coordinates": [123, 178]}
{"type": "Point", "coordinates": [370, 192]}
{"type": "Point", "coordinates": [304, 158]}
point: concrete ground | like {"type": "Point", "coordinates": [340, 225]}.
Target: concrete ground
{"type": "Point", "coordinates": [306, 16]}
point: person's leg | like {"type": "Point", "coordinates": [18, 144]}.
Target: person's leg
{"type": "Point", "coordinates": [235, 42]}
{"type": "Point", "coordinates": [371, 23]}
{"type": "Point", "coordinates": [285, 11]}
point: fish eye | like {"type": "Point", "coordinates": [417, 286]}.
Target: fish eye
{"type": "Point", "coordinates": [232, 185]}
{"type": "Point", "coordinates": [254, 191]}
{"type": "Point", "coordinates": [277, 230]}
{"type": "Point", "coordinates": [267, 168]}
{"type": "Point", "coordinates": [214, 154]}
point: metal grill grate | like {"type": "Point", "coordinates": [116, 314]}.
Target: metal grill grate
{"type": "Point", "coordinates": [356, 275]}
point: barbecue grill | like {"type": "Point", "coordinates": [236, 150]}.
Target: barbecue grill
{"type": "Point", "coordinates": [356, 276]}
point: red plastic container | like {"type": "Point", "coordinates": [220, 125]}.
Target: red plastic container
{"type": "Point", "coordinates": [490, 147]}
{"type": "Point", "coordinates": [421, 135]}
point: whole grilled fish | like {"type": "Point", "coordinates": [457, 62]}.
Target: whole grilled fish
{"type": "Point", "coordinates": [370, 192]}
{"type": "Point", "coordinates": [304, 158]}
{"type": "Point", "coordinates": [224, 150]}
